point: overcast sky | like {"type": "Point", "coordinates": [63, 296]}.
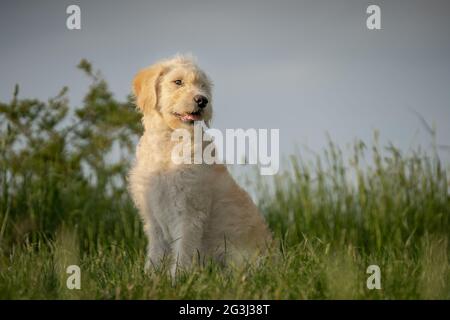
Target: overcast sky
{"type": "Point", "coordinates": [305, 67]}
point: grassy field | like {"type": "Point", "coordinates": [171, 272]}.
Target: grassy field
{"type": "Point", "coordinates": [62, 203]}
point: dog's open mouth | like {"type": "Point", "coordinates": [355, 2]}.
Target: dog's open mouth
{"type": "Point", "coordinates": [189, 116]}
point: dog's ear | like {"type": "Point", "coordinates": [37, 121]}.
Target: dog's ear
{"type": "Point", "coordinates": [145, 87]}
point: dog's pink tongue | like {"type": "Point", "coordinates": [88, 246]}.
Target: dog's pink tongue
{"type": "Point", "coordinates": [190, 117]}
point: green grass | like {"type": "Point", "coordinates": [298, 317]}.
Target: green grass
{"type": "Point", "coordinates": [333, 218]}
{"type": "Point", "coordinates": [63, 202]}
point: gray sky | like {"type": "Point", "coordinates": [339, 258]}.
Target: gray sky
{"type": "Point", "coordinates": [306, 67]}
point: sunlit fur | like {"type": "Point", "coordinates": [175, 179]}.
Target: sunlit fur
{"type": "Point", "coordinates": [191, 212]}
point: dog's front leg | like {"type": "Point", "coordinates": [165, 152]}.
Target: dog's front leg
{"type": "Point", "coordinates": [187, 246]}
{"type": "Point", "coordinates": [157, 249]}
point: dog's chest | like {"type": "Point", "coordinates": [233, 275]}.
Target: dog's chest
{"type": "Point", "coordinates": [178, 193]}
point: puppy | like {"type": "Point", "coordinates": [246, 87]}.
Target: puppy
{"type": "Point", "coordinates": [190, 212]}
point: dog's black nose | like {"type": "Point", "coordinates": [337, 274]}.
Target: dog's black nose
{"type": "Point", "coordinates": [200, 100]}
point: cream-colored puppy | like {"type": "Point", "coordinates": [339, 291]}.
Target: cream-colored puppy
{"type": "Point", "coordinates": [191, 212]}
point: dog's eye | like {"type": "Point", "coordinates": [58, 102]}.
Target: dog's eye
{"type": "Point", "coordinates": [178, 82]}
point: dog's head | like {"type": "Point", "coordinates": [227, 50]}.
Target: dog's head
{"type": "Point", "coordinates": [177, 90]}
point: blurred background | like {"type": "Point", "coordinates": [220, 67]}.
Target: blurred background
{"type": "Point", "coordinates": [305, 67]}
{"type": "Point", "coordinates": [68, 128]}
